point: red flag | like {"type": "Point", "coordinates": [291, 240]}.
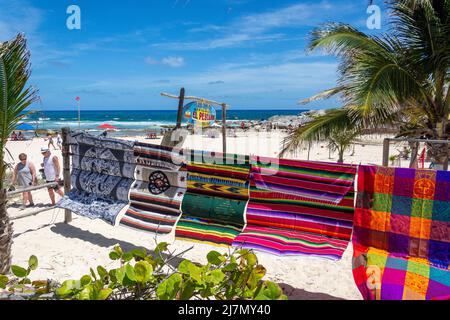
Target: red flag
{"type": "Point", "coordinates": [77, 98]}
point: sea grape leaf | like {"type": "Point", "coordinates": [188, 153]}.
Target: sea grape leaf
{"type": "Point", "coordinates": [215, 258]}
{"type": "Point", "coordinates": [102, 272]}
{"type": "Point", "coordinates": [114, 255]}
{"type": "Point", "coordinates": [19, 271]}
{"type": "Point", "coordinates": [187, 290]}
{"type": "Point", "coordinates": [168, 289]}
{"type": "Point", "coordinates": [104, 294]}
{"type": "Point", "coordinates": [230, 267]}
{"type": "Point", "coordinates": [33, 263]}
{"type": "Point", "coordinates": [141, 253]}
{"type": "Point", "coordinates": [85, 280]}
{"type": "Point", "coordinates": [143, 271]}
{"type": "Point", "coordinates": [120, 275]}
{"type": "Point", "coordinates": [67, 288]}
{"type": "Point", "coordinates": [255, 276]}
{"type": "Point", "coordinates": [127, 256]}
{"type": "Point", "coordinates": [161, 247]}
{"type": "Point", "coordinates": [187, 267]}
{"type": "Point", "coordinates": [3, 281]}
{"type": "Point", "coordinates": [217, 276]}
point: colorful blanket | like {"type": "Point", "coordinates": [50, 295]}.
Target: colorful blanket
{"type": "Point", "coordinates": [325, 182]}
{"type": "Point", "coordinates": [214, 205]}
{"type": "Point", "coordinates": [155, 198]}
{"type": "Point", "coordinates": [402, 234]}
{"type": "Point", "coordinates": [292, 220]}
{"type": "Point", "coordinates": [102, 175]}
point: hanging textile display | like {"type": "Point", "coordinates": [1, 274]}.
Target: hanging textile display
{"type": "Point", "coordinates": [299, 208]}
{"type": "Point", "coordinates": [102, 175]}
{"type": "Point", "coordinates": [156, 196]}
{"type": "Point", "coordinates": [402, 234]}
{"type": "Point", "coordinates": [213, 208]}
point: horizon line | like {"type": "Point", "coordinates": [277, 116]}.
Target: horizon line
{"type": "Point", "coordinates": [172, 109]}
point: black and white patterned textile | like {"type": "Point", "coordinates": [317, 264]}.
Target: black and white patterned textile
{"type": "Point", "coordinates": [102, 176]}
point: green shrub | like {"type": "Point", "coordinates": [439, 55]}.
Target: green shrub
{"type": "Point", "coordinates": [142, 276]}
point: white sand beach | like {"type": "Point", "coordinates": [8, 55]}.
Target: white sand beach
{"type": "Point", "coordinates": [68, 251]}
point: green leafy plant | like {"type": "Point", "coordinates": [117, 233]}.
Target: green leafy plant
{"type": "Point", "coordinates": [151, 276]}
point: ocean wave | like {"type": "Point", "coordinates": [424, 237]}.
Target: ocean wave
{"type": "Point", "coordinates": [119, 124]}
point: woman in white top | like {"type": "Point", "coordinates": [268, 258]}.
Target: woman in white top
{"type": "Point", "coordinates": [25, 175]}
{"type": "Point", "coordinates": [52, 170]}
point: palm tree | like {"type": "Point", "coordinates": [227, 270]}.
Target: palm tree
{"type": "Point", "coordinates": [399, 79]}
{"type": "Point", "coordinates": [14, 99]}
{"type": "Point", "coordinates": [341, 141]}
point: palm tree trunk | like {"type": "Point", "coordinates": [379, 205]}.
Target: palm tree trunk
{"type": "Point", "coordinates": [6, 236]}
{"type": "Point", "coordinates": [414, 153]}
{"type": "Point", "coordinates": [341, 155]}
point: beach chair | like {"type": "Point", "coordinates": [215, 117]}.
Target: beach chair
{"type": "Point", "coordinates": [401, 236]}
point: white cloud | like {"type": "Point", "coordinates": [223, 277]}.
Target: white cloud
{"type": "Point", "coordinates": [262, 27]}
{"type": "Point", "coordinates": [239, 79]}
{"type": "Point", "coordinates": [174, 62]}
{"type": "Point", "coordinates": [18, 16]}
{"type": "Point", "coordinates": [150, 60]}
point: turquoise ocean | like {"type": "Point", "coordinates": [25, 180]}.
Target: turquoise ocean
{"type": "Point", "coordinates": [135, 119]}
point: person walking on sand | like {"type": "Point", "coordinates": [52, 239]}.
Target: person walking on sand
{"type": "Point", "coordinates": [51, 142]}
{"type": "Point", "coordinates": [52, 170]}
{"type": "Point", "coordinates": [25, 174]}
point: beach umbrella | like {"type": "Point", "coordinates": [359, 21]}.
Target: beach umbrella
{"type": "Point", "coordinates": [25, 127]}
{"type": "Point", "coordinates": [106, 127]}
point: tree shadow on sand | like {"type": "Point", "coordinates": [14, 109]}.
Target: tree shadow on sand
{"type": "Point", "coordinates": [69, 231]}
{"type": "Point", "coordinates": [300, 294]}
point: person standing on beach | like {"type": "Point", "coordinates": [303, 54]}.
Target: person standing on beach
{"type": "Point", "coordinates": [51, 142]}
{"type": "Point", "coordinates": [25, 174]}
{"type": "Point", "coordinates": [52, 170]}
{"type": "Point", "coordinates": [59, 141]}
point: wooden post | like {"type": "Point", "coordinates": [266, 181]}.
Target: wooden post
{"type": "Point", "coordinates": [386, 147]}
{"type": "Point", "coordinates": [224, 127]}
{"type": "Point", "coordinates": [180, 107]}
{"type": "Point", "coordinates": [445, 168]}
{"type": "Point", "coordinates": [66, 169]}
{"type": "Point", "coordinates": [309, 150]}
{"type": "Point", "coordinates": [414, 156]}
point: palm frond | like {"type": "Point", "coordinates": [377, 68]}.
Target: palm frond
{"type": "Point", "coordinates": [382, 78]}
{"type": "Point", "coordinates": [15, 98]}
{"type": "Point", "coordinates": [317, 129]}
{"type": "Point", "coordinates": [323, 95]}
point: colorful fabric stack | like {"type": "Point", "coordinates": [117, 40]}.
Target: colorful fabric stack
{"type": "Point", "coordinates": [402, 234]}
{"type": "Point", "coordinates": [299, 208]}
{"type": "Point", "coordinates": [160, 187]}
{"type": "Point", "coordinates": [214, 206]}
{"type": "Point", "coordinates": [102, 175]}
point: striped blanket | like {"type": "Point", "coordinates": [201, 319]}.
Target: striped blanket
{"type": "Point", "coordinates": [284, 217]}
{"type": "Point", "coordinates": [214, 205]}
{"type": "Point", "coordinates": [402, 234]}
{"type": "Point", "coordinates": [102, 176]}
{"type": "Point", "coordinates": [155, 198]}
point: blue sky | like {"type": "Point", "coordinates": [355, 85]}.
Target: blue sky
{"type": "Point", "coordinates": [248, 53]}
